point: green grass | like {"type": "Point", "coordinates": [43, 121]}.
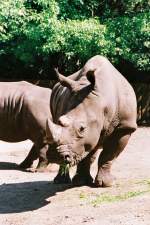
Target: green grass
{"type": "Point", "coordinates": [83, 195]}
{"type": "Point", "coordinates": [106, 197]}
{"type": "Point", "coordinates": [64, 168]}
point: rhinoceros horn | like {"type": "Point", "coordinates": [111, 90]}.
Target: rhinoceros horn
{"type": "Point", "coordinates": [53, 131]}
{"type": "Point", "coordinates": [66, 82]}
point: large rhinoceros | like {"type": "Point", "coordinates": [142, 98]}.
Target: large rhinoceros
{"type": "Point", "coordinates": [24, 108]}
{"type": "Point", "coordinates": [94, 107]}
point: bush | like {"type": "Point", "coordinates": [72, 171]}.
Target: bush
{"type": "Point", "coordinates": [130, 39]}
{"type": "Point", "coordinates": [36, 35]}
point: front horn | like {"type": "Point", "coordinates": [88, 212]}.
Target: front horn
{"type": "Point", "coordinates": [53, 131]}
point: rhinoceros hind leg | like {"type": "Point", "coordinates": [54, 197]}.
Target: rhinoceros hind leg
{"type": "Point", "coordinates": [112, 147]}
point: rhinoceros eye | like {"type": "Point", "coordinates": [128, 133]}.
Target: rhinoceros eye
{"type": "Point", "coordinates": [81, 130]}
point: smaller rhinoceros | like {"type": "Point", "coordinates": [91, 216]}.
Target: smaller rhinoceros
{"type": "Point", "coordinates": [94, 107]}
{"type": "Point", "coordinates": [24, 108]}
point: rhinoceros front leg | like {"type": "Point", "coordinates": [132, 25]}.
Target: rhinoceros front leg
{"type": "Point", "coordinates": [83, 176]}
{"type": "Point", "coordinates": [32, 155]}
{"type": "Point", "coordinates": [112, 147]}
{"type": "Point", "coordinates": [63, 176]}
{"type": "Point", "coordinates": [35, 153]}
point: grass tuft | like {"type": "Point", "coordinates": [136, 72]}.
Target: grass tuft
{"type": "Point", "coordinates": [106, 198]}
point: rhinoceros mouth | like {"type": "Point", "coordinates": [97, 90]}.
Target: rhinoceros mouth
{"type": "Point", "coordinates": [65, 151]}
{"type": "Point", "coordinates": [76, 159]}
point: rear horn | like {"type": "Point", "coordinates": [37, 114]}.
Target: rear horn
{"type": "Point", "coordinates": [65, 81]}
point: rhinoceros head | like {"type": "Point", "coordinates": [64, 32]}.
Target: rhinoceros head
{"type": "Point", "coordinates": [77, 129]}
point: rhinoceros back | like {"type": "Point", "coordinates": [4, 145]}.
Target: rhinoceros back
{"type": "Point", "coordinates": [19, 106]}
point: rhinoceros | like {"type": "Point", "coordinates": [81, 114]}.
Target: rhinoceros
{"type": "Point", "coordinates": [92, 108]}
{"type": "Point", "coordinates": [24, 108]}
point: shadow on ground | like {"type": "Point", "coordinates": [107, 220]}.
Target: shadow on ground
{"type": "Point", "coordinates": [9, 166]}
{"type": "Point", "coordinates": [28, 196]}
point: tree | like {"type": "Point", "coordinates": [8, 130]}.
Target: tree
{"type": "Point", "coordinates": [36, 35]}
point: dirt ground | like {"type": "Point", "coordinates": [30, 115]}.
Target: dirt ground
{"type": "Point", "coordinates": [32, 198]}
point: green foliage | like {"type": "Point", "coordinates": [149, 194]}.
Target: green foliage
{"type": "Point", "coordinates": [131, 39]}
{"type": "Point", "coordinates": [78, 9]}
{"type": "Point", "coordinates": [112, 8]}
{"type": "Point", "coordinates": [76, 39]}
{"type": "Point", "coordinates": [40, 33]}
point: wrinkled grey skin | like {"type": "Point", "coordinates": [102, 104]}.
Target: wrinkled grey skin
{"type": "Point", "coordinates": [94, 107]}
{"type": "Point", "coordinates": [24, 108]}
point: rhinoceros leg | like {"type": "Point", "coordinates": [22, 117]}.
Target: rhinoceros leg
{"type": "Point", "coordinates": [33, 155]}
{"type": "Point", "coordinates": [83, 176]}
{"type": "Point", "coordinates": [112, 147]}
{"type": "Point", "coordinates": [62, 178]}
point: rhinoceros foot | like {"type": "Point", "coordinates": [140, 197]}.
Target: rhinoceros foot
{"type": "Point", "coordinates": [39, 170]}
{"type": "Point", "coordinates": [104, 179]}
{"type": "Point", "coordinates": [51, 167]}
{"type": "Point", "coordinates": [80, 180]}
{"type": "Point", "coordinates": [25, 165]}
{"type": "Point", "coordinates": [62, 179]}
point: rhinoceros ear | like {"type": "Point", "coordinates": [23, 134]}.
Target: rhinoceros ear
{"type": "Point", "coordinates": [91, 77]}
{"type": "Point", "coordinates": [65, 81]}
